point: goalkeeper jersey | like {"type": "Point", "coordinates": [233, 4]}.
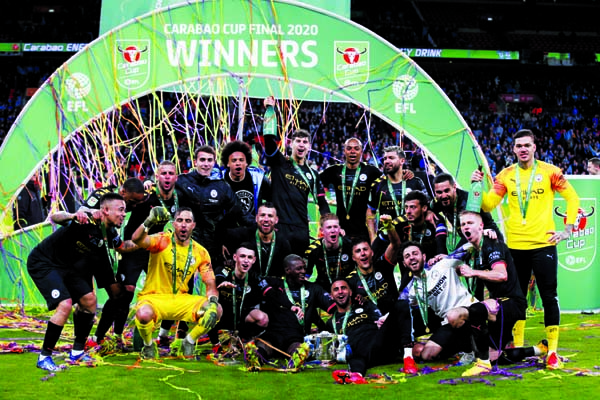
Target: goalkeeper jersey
{"type": "Point", "coordinates": [531, 232]}
{"type": "Point", "coordinates": [161, 278]}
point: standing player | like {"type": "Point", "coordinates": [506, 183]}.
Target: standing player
{"type": "Point", "coordinates": [271, 246]}
{"type": "Point", "coordinates": [132, 264]}
{"type": "Point", "coordinates": [295, 182]}
{"type": "Point", "coordinates": [174, 260]}
{"type": "Point", "coordinates": [531, 236]}
{"type": "Point", "coordinates": [248, 182]}
{"type": "Point", "coordinates": [59, 268]}
{"type": "Point", "coordinates": [449, 202]}
{"type": "Point", "coordinates": [351, 181]}
{"type": "Point", "coordinates": [387, 193]}
{"type": "Point", "coordinates": [211, 199]}
{"type": "Point", "coordinates": [331, 255]}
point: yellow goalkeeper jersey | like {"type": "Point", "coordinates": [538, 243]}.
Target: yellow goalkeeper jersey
{"type": "Point", "coordinates": [160, 267]}
{"type": "Point", "coordinates": [531, 232]}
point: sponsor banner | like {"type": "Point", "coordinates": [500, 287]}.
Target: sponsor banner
{"type": "Point", "coordinates": [458, 53]}
{"type": "Point", "coordinates": [578, 259]}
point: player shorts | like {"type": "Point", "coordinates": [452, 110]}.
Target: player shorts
{"type": "Point", "coordinates": [57, 283]}
{"type": "Point", "coordinates": [511, 310]}
{"type": "Point", "coordinates": [175, 307]}
{"type": "Point", "coordinates": [131, 266]}
{"type": "Point", "coordinates": [452, 340]}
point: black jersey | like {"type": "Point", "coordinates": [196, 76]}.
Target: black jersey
{"type": "Point", "coordinates": [356, 195]}
{"type": "Point", "coordinates": [266, 264]}
{"type": "Point", "coordinates": [211, 200]}
{"type": "Point", "coordinates": [338, 263]}
{"type": "Point", "coordinates": [455, 235]}
{"type": "Point", "coordinates": [247, 294]}
{"type": "Point", "coordinates": [293, 185]}
{"type": "Point", "coordinates": [142, 210]}
{"type": "Point", "coordinates": [244, 190]}
{"type": "Point", "coordinates": [82, 248]}
{"type": "Point", "coordinates": [381, 200]}
{"type": "Point", "coordinates": [360, 325]}
{"type": "Point", "coordinates": [494, 251]}
{"type": "Point", "coordinates": [381, 283]}
{"type": "Point", "coordinates": [278, 305]}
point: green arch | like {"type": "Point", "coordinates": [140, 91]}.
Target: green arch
{"type": "Point", "coordinates": [222, 44]}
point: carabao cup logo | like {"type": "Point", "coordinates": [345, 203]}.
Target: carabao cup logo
{"type": "Point", "coordinates": [132, 61]}
{"type": "Point", "coordinates": [351, 64]}
{"type": "Point", "coordinates": [579, 251]}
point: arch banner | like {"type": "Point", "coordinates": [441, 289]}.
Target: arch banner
{"type": "Point", "coordinates": [259, 48]}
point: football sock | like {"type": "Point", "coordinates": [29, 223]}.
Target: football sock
{"type": "Point", "coordinates": [552, 336]}
{"type": "Point", "coordinates": [519, 333]}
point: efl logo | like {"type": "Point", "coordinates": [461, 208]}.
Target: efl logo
{"type": "Point", "coordinates": [351, 64]}
{"type": "Point", "coordinates": [132, 63]}
{"type": "Point", "coordinates": [405, 88]}
{"type": "Point", "coordinates": [78, 86]}
{"type": "Point", "coordinates": [578, 252]}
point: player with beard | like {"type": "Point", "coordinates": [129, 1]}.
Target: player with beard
{"type": "Point", "coordinates": [287, 302]}
{"type": "Point", "coordinates": [413, 226]}
{"type": "Point", "coordinates": [174, 260]}
{"type": "Point", "coordinates": [351, 181]}
{"type": "Point", "coordinates": [132, 264]}
{"type": "Point", "coordinates": [387, 193]}
{"type": "Point", "coordinates": [272, 247]}
{"type": "Point", "coordinates": [449, 202]}
{"type": "Point", "coordinates": [436, 291]}
{"type": "Point", "coordinates": [331, 255]}
{"type": "Point", "coordinates": [490, 262]}
{"type": "Point", "coordinates": [59, 267]}
{"type": "Point", "coordinates": [295, 182]}
{"type": "Point", "coordinates": [374, 339]}
{"type": "Point", "coordinates": [248, 182]}
{"type": "Point", "coordinates": [530, 186]}
{"type": "Point", "coordinates": [439, 290]}
{"type": "Point", "coordinates": [240, 296]}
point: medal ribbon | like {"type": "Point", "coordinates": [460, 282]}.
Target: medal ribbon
{"type": "Point", "coordinates": [313, 190]}
{"type": "Point", "coordinates": [259, 251]}
{"type": "Point", "coordinates": [523, 206]}
{"type": "Point", "coordinates": [348, 203]}
{"type": "Point", "coordinates": [291, 299]}
{"type": "Point", "coordinates": [112, 260]}
{"type": "Point", "coordinates": [188, 262]}
{"type": "Point", "coordinates": [162, 203]}
{"type": "Point", "coordinates": [364, 282]}
{"type": "Point", "coordinates": [470, 282]}
{"type": "Point", "coordinates": [339, 260]}
{"type": "Point", "coordinates": [422, 297]}
{"type": "Point", "coordinates": [344, 322]}
{"type": "Point", "coordinates": [235, 308]}
{"type": "Point", "coordinates": [393, 196]}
